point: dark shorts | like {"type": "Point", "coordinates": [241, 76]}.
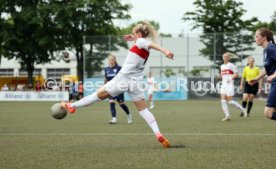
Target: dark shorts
{"type": "Point", "coordinates": [119, 98]}
{"type": "Point", "coordinates": [271, 100]}
{"type": "Point", "coordinates": [251, 89]}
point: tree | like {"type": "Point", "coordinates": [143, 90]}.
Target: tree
{"type": "Point", "coordinates": [270, 25]}
{"type": "Point", "coordinates": [128, 29]}
{"type": "Point", "coordinates": [273, 22]}
{"type": "Point", "coordinates": [77, 19]}
{"type": "Point", "coordinates": [27, 33]}
{"type": "Point", "coordinates": [224, 30]}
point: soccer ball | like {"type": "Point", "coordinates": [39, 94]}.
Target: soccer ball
{"type": "Point", "coordinates": [58, 112]}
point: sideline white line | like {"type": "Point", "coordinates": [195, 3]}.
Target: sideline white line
{"type": "Point", "coordinates": [136, 134]}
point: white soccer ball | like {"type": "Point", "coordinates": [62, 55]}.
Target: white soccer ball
{"type": "Point", "coordinates": [58, 112]}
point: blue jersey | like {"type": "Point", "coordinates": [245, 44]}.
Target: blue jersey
{"type": "Point", "coordinates": [111, 72]}
{"type": "Point", "coordinates": [270, 59]}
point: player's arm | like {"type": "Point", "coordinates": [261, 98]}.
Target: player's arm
{"type": "Point", "coordinates": [242, 79]}
{"type": "Point", "coordinates": [128, 37]}
{"type": "Point", "coordinates": [105, 76]}
{"type": "Point", "coordinates": [241, 84]}
{"type": "Point", "coordinates": [165, 51]}
{"type": "Point", "coordinates": [261, 75]}
{"type": "Point", "coordinates": [235, 75]}
{"type": "Point", "coordinates": [271, 77]}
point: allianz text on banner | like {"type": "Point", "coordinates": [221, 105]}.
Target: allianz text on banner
{"type": "Point", "coordinates": [34, 96]}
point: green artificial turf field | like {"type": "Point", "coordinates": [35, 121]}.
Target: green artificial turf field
{"type": "Point", "coordinates": [31, 138]}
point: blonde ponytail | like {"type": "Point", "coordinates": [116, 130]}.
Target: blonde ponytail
{"type": "Point", "coordinates": [147, 30]}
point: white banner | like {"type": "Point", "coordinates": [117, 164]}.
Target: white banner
{"type": "Point", "coordinates": [34, 96]}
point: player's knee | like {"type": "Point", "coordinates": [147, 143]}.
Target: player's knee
{"type": "Point", "coordinates": [223, 101]}
{"type": "Point", "coordinates": [230, 102]}
{"type": "Point", "coordinates": [102, 94]}
{"type": "Point", "coordinates": [268, 113]}
{"type": "Point", "coordinates": [121, 103]}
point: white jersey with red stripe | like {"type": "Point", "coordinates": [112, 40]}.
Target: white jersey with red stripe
{"type": "Point", "coordinates": [227, 71]}
{"type": "Point", "coordinates": [136, 59]}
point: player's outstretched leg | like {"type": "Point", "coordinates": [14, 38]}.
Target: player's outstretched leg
{"type": "Point", "coordinates": [238, 106]}
{"type": "Point", "coordinates": [101, 94]}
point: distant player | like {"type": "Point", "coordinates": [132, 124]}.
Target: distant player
{"type": "Point", "coordinates": [130, 78]}
{"type": "Point", "coordinates": [150, 81]}
{"type": "Point", "coordinates": [249, 92]}
{"type": "Point", "coordinates": [264, 38]}
{"type": "Point", "coordinates": [229, 73]}
{"type": "Point", "coordinates": [110, 72]}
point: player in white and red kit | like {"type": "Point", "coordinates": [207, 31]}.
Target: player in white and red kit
{"type": "Point", "coordinates": [229, 72]}
{"type": "Point", "coordinates": [130, 78]}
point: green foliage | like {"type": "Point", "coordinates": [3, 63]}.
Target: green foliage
{"type": "Point", "coordinates": [31, 31]}
{"type": "Point", "coordinates": [167, 35]}
{"type": "Point", "coordinates": [169, 72]}
{"type": "Point", "coordinates": [128, 29]}
{"type": "Point", "coordinates": [196, 72]}
{"type": "Point", "coordinates": [224, 30]}
{"type": "Point", "coordinates": [77, 19]}
{"type": "Point", "coordinates": [27, 33]}
{"type": "Point", "coordinates": [270, 25]}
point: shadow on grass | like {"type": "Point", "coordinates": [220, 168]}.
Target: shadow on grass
{"type": "Point", "coordinates": [178, 146]}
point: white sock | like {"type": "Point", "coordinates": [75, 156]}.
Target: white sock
{"type": "Point", "coordinates": [236, 104]}
{"type": "Point", "coordinates": [93, 98]}
{"type": "Point", "coordinates": [148, 116]}
{"type": "Point", "coordinates": [225, 108]}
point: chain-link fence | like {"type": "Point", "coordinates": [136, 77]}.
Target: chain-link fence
{"type": "Point", "coordinates": [195, 55]}
{"type": "Point", "coordinates": [197, 59]}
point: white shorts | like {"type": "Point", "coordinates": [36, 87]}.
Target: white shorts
{"type": "Point", "coordinates": [121, 83]}
{"type": "Point", "coordinates": [227, 89]}
{"type": "Point", "coordinates": [150, 91]}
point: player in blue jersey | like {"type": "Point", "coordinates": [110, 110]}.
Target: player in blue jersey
{"type": "Point", "coordinates": [264, 38]}
{"type": "Point", "coordinates": [110, 72]}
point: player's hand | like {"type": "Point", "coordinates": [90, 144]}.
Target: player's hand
{"type": "Point", "coordinates": [252, 81]}
{"type": "Point", "coordinates": [128, 37]}
{"type": "Point", "coordinates": [169, 55]}
{"type": "Point", "coordinates": [270, 78]}
{"type": "Point", "coordinates": [241, 87]}
{"type": "Point", "coordinates": [260, 90]}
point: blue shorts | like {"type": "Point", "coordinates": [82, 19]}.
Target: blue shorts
{"type": "Point", "coordinates": [120, 98]}
{"type": "Point", "coordinates": [271, 100]}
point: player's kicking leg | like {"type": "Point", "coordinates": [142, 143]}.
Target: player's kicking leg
{"type": "Point", "coordinates": [100, 94]}
{"type": "Point", "coordinates": [237, 105]}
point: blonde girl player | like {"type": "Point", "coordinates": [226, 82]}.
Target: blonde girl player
{"type": "Point", "coordinates": [229, 73]}
{"type": "Point", "coordinates": [110, 72]}
{"type": "Point", "coordinates": [130, 77]}
{"type": "Point", "coordinates": [264, 38]}
{"type": "Point", "coordinates": [150, 81]}
{"type": "Point", "coordinates": [249, 92]}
